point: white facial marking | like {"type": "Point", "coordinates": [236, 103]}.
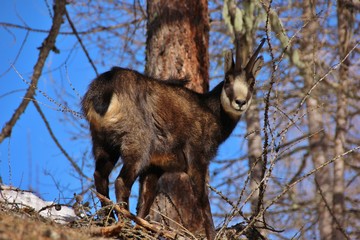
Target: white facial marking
{"type": "Point", "coordinates": [241, 91]}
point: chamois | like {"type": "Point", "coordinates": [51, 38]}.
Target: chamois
{"type": "Point", "coordinates": [161, 126]}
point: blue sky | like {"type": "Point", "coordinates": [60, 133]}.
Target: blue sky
{"type": "Point", "coordinates": [30, 159]}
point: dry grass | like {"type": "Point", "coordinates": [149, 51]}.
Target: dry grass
{"type": "Point", "coordinates": [25, 224]}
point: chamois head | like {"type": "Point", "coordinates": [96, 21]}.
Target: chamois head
{"type": "Point", "coordinates": [239, 82]}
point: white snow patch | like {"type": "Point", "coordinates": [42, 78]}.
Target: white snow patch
{"type": "Point", "coordinates": [14, 197]}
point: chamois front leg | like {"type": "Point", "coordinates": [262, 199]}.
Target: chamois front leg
{"type": "Point", "coordinates": [148, 185]}
{"type": "Point", "coordinates": [198, 178]}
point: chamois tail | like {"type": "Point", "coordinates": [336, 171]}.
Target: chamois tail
{"type": "Point", "coordinates": [100, 93]}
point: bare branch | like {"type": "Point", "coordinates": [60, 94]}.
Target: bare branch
{"type": "Point", "coordinates": [46, 47]}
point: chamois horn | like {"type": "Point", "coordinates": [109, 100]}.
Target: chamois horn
{"type": "Point", "coordinates": [238, 67]}
{"type": "Point", "coordinates": [253, 58]}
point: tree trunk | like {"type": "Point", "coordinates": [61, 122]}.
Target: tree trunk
{"type": "Point", "coordinates": [254, 150]}
{"type": "Point", "coordinates": [177, 41]}
{"type": "Point", "coordinates": [177, 47]}
{"type": "Point", "coordinates": [318, 142]}
{"type": "Point", "coordinates": [345, 27]}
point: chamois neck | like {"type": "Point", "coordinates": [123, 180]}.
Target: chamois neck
{"type": "Point", "coordinates": [226, 122]}
{"type": "Point", "coordinates": [212, 99]}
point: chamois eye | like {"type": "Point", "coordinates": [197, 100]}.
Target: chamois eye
{"type": "Point", "coordinates": [228, 81]}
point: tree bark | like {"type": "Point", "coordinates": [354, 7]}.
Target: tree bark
{"type": "Point", "coordinates": [177, 47]}
{"type": "Point", "coordinates": [177, 41]}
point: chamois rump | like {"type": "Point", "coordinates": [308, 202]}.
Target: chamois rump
{"type": "Point", "coordinates": [160, 126]}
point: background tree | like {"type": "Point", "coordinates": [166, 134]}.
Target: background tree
{"type": "Point", "coordinates": [318, 142]}
{"type": "Point", "coordinates": [242, 25]}
{"type": "Point", "coordinates": [345, 18]}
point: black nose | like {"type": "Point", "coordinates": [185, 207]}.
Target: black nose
{"type": "Point", "coordinates": [240, 103]}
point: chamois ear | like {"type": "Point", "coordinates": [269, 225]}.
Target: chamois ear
{"type": "Point", "coordinates": [228, 61]}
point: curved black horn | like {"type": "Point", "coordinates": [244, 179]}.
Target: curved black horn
{"type": "Point", "coordinates": [238, 67]}
{"type": "Point", "coordinates": [254, 56]}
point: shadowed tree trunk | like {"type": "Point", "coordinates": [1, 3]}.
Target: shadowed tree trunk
{"type": "Point", "coordinates": [177, 47]}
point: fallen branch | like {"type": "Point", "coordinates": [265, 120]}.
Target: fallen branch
{"type": "Point", "coordinates": [113, 230]}
{"type": "Point", "coordinates": [109, 231]}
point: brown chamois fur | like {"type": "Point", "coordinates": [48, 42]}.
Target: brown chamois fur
{"type": "Point", "coordinates": [161, 126]}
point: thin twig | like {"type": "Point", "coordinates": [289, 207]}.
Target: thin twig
{"type": "Point", "coordinates": [330, 210]}
{"type": "Point", "coordinates": [180, 226]}
{"type": "Point", "coordinates": [290, 186]}
{"type": "Point", "coordinates": [263, 184]}
{"type": "Point", "coordinates": [17, 55]}
{"type": "Point", "coordinates": [335, 66]}
{"type": "Point", "coordinates": [85, 32]}
{"type": "Point", "coordinates": [63, 151]}
{"type": "Point", "coordinates": [80, 41]}
{"type": "Point", "coordinates": [61, 107]}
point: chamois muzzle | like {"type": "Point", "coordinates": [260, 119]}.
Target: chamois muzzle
{"type": "Point", "coordinates": [240, 103]}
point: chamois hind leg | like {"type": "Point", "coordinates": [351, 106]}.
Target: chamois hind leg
{"type": "Point", "coordinates": [105, 160]}
{"type": "Point", "coordinates": [124, 182]}
{"type": "Point", "coordinates": [135, 161]}
{"type": "Point", "coordinates": [148, 184]}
